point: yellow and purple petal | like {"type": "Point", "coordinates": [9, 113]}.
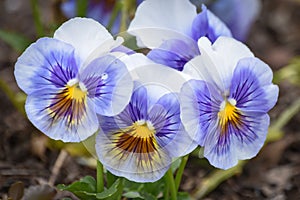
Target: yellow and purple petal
{"type": "Point", "coordinates": [66, 114]}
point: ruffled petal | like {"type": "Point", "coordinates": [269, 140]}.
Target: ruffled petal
{"type": "Point", "coordinates": [61, 118]}
{"type": "Point", "coordinates": [251, 137]}
{"type": "Point", "coordinates": [48, 63]}
{"type": "Point", "coordinates": [209, 25]}
{"type": "Point", "coordinates": [174, 53]}
{"type": "Point", "coordinates": [252, 86]}
{"type": "Point", "coordinates": [108, 83]}
{"type": "Point", "coordinates": [199, 105]}
{"type": "Point", "coordinates": [85, 35]}
{"type": "Point", "coordinates": [230, 57]}
{"type": "Point", "coordinates": [206, 66]}
{"type": "Point", "coordinates": [219, 148]}
{"type": "Point", "coordinates": [156, 21]}
{"type": "Point", "coordinates": [170, 133]}
{"type": "Point", "coordinates": [219, 62]}
{"type": "Point", "coordinates": [224, 149]}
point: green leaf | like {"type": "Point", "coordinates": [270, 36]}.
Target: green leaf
{"type": "Point", "coordinates": [133, 194]}
{"type": "Point", "coordinates": [15, 40]}
{"type": "Point", "coordinates": [86, 189]}
{"type": "Point", "coordinates": [148, 196]}
{"type": "Point", "coordinates": [87, 184]}
{"type": "Point", "coordinates": [183, 196]}
{"type": "Point", "coordinates": [155, 188]}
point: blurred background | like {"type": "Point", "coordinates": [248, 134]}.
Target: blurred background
{"type": "Point", "coordinates": [29, 160]}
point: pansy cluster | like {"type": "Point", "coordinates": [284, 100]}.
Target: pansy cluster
{"type": "Point", "coordinates": [196, 86]}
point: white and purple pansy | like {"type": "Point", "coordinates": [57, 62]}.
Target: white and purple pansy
{"type": "Point", "coordinates": [224, 107]}
{"type": "Point", "coordinates": [71, 78]}
{"type": "Point", "coordinates": [171, 28]}
{"type": "Point", "coordinates": [141, 142]}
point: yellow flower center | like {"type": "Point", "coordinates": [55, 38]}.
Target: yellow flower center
{"type": "Point", "coordinates": [137, 138]}
{"type": "Point", "coordinates": [69, 103]}
{"type": "Point", "coordinates": [229, 114]}
{"type": "Point", "coordinates": [143, 129]}
{"type": "Point", "coordinates": [74, 92]}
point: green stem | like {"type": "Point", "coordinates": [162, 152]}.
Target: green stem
{"type": "Point", "coordinates": [37, 18]}
{"type": "Point", "coordinates": [171, 184]}
{"type": "Point", "coordinates": [100, 182]}
{"type": "Point", "coordinates": [121, 187]}
{"type": "Point", "coordinates": [180, 171]}
{"type": "Point", "coordinates": [81, 8]}
{"type": "Point", "coordinates": [124, 14]}
{"type": "Point", "coordinates": [166, 192]}
{"type": "Point", "coordinates": [110, 179]}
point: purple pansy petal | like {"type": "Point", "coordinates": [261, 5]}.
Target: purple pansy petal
{"type": "Point", "coordinates": [223, 150]}
{"type": "Point", "coordinates": [170, 133]}
{"type": "Point", "coordinates": [165, 117]}
{"type": "Point", "coordinates": [156, 21]}
{"type": "Point", "coordinates": [199, 105]}
{"type": "Point", "coordinates": [251, 137]}
{"type": "Point", "coordinates": [123, 49]}
{"type": "Point", "coordinates": [108, 83]}
{"type": "Point", "coordinates": [61, 118]}
{"type": "Point", "coordinates": [138, 106]}
{"type": "Point", "coordinates": [251, 86]}
{"type": "Point", "coordinates": [174, 53]}
{"type": "Point", "coordinates": [219, 149]}
{"type": "Point", "coordinates": [47, 63]}
{"type": "Point", "coordinates": [207, 24]}
{"type": "Point", "coordinates": [237, 14]}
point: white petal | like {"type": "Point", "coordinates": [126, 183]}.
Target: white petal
{"type": "Point", "coordinates": [206, 66]}
{"type": "Point", "coordinates": [157, 78]}
{"type": "Point", "coordinates": [85, 35]}
{"type": "Point", "coordinates": [156, 21]}
{"type": "Point", "coordinates": [231, 51]}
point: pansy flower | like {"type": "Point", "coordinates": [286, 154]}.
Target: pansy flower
{"type": "Point", "coordinates": [141, 142]}
{"type": "Point", "coordinates": [171, 29]}
{"type": "Point", "coordinates": [224, 107]}
{"type": "Point", "coordinates": [70, 78]}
